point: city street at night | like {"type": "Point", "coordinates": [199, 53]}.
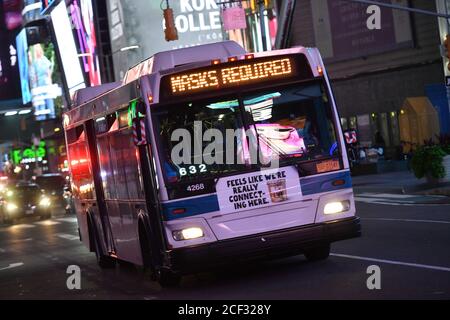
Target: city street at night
{"type": "Point", "coordinates": [408, 242]}
{"type": "Point", "coordinates": [224, 158]}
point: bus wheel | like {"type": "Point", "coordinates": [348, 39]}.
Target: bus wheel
{"type": "Point", "coordinates": [321, 252]}
{"type": "Point", "coordinates": [104, 262]}
{"type": "Point", "coordinates": [167, 278]}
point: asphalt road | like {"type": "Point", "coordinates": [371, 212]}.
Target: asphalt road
{"type": "Point", "coordinates": [407, 240]}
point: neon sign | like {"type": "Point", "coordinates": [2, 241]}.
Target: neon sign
{"type": "Point", "coordinates": [29, 155]}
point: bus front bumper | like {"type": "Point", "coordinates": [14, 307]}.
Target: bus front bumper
{"type": "Point", "coordinates": [280, 243]}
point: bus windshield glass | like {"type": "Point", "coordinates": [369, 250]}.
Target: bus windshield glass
{"type": "Point", "coordinates": [292, 123]}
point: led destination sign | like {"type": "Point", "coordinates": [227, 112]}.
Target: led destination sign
{"type": "Point", "coordinates": [236, 74]}
{"type": "Point", "coordinates": [225, 76]}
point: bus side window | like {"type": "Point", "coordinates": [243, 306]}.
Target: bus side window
{"type": "Point", "coordinates": [118, 159]}
{"type": "Point", "coordinates": [80, 164]}
{"type": "Point", "coordinates": [103, 128]}
{"type": "Point", "coordinates": [125, 162]}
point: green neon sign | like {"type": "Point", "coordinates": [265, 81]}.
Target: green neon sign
{"type": "Point", "coordinates": [19, 156]}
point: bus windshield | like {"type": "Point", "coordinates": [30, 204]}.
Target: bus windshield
{"type": "Point", "coordinates": [292, 122]}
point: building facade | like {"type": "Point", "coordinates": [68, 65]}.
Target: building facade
{"type": "Point", "coordinates": [373, 71]}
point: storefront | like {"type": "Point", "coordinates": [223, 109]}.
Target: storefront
{"type": "Point", "coordinates": [377, 129]}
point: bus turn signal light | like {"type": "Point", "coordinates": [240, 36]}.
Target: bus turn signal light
{"type": "Point", "coordinates": [320, 70]}
{"type": "Point", "coordinates": [179, 211]}
{"type": "Point", "coordinates": [339, 182]}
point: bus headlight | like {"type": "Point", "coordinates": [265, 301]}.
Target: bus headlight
{"type": "Point", "coordinates": [45, 202]}
{"type": "Point", "coordinates": [336, 207]}
{"type": "Point", "coordinates": [11, 207]}
{"type": "Point", "coordinates": [188, 234]}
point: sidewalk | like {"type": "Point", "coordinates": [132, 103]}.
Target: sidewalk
{"type": "Point", "coordinates": [403, 182]}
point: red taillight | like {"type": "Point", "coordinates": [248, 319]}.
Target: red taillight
{"type": "Point", "coordinates": [179, 211]}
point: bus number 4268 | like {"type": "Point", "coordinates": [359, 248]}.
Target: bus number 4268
{"type": "Point", "coordinates": [196, 187]}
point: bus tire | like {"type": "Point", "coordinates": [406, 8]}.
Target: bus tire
{"type": "Point", "coordinates": [103, 261]}
{"type": "Point", "coordinates": [318, 253]}
{"type": "Point", "coordinates": [167, 278]}
{"type": "Point", "coordinates": [145, 246]}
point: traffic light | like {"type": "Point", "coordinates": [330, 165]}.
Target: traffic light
{"type": "Point", "coordinates": [171, 30]}
{"type": "Point", "coordinates": [447, 49]}
{"type": "Point", "coordinates": [253, 5]}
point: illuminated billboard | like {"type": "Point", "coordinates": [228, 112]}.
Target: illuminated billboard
{"type": "Point", "coordinates": [9, 72]}
{"type": "Point", "coordinates": [67, 48]}
{"type": "Point", "coordinates": [38, 76]}
{"type": "Point", "coordinates": [12, 14]}
{"type": "Point", "coordinates": [10, 21]}
{"type": "Point", "coordinates": [76, 38]}
{"type": "Point", "coordinates": [140, 23]}
{"type": "Point", "coordinates": [82, 18]}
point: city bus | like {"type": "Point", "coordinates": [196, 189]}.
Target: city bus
{"type": "Point", "coordinates": [163, 164]}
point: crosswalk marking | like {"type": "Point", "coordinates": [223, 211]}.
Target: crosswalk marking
{"type": "Point", "coordinates": [400, 199]}
{"type": "Point", "coordinates": [401, 263]}
{"type": "Point", "coordinates": [23, 226]}
{"type": "Point", "coordinates": [47, 223]}
{"type": "Point", "coordinates": [67, 219]}
{"type": "Point", "coordinates": [407, 220]}
{"type": "Point", "coordinates": [387, 195]}
{"type": "Point", "coordinates": [67, 236]}
{"type": "Point", "coordinates": [12, 266]}
{"type": "Point", "coordinates": [51, 222]}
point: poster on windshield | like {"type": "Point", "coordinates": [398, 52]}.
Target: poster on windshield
{"type": "Point", "coordinates": [258, 189]}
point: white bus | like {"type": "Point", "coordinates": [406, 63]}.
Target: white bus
{"type": "Point", "coordinates": [163, 169]}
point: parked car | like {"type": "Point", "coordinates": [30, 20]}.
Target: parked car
{"type": "Point", "coordinates": [24, 200]}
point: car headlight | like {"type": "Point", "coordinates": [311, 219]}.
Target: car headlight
{"type": "Point", "coordinates": [45, 202]}
{"type": "Point", "coordinates": [11, 207]}
{"type": "Point", "coordinates": [336, 207]}
{"type": "Point", "coordinates": [188, 234]}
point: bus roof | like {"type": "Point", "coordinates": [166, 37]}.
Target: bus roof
{"type": "Point", "coordinates": [171, 59]}
{"type": "Point", "coordinates": [91, 101]}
